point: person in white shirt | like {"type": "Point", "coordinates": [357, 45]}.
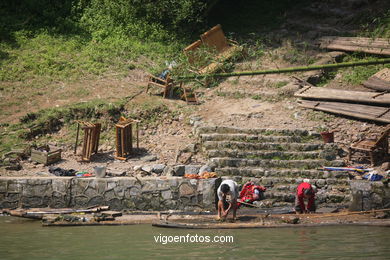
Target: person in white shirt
{"type": "Point", "coordinates": [227, 188]}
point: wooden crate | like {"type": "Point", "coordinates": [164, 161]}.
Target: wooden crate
{"type": "Point", "coordinates": [46, 158]}
{"type": "Point", "coordinates": [124, 138]}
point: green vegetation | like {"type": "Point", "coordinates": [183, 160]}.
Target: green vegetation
{"type": "Point", "coordinates": [46, 45]}
{"type": "Point", "coordinates": [357, 75]}
{"type": "Point", "coordinates": [76, 39]}
{"type": "Point", "coordinates": [233, 95]}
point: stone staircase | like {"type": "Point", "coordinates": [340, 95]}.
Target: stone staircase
{"type": "Point", "coordinates": [278, 159]}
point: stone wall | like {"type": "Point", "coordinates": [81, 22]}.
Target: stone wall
{"type": "Point", "coordinates": [368, 195]}
{"type": "Point", "coordinates": [119, 193]}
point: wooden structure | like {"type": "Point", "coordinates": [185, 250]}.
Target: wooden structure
{"type": "Point", "coordinates": [372, 147]}
{"type": "Point", "coordinates": [317, 93]}
{"type": "Point", "coordinates": [189, 95]}
{"type": "Point", "coordinates": [213, 40]}
{"type": "Point", "coordinates": [46, 155]}
{"type": "Point", "coordinates": [380, 81]}
{"type": "Point", "coordinates": [124, 137]}
{"type": "Point", "coordinates": [375, 113]}
{"type": "Point", "coordinates": [359, 44]}
{"type": "Point", "coordinates": [90, 140]}
{"type": "Point", "coordinates": [165, 84]}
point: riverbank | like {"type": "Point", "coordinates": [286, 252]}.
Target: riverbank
{"type": "Point", "coordinates": [247, 218]}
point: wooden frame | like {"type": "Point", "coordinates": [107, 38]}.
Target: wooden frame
{"type": "Point", "coordinates": [188, 95]}
{"type": "Point", "coordinates": [124, 137]}
{"type": "Point", "coordinates": [214, 39]}
{"type": "Point", "coordinates": [165, 84]}
{"type": "Point", "coordinates": [372, 147]}
{"type": "Point", "coordinates": [90, 140]}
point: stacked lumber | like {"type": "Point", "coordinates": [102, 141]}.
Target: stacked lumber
{"type": "Point", "coordinates": [368, 112]}
{"type": "Point", "coordinates": [359, 104]}
{"type": "Point", "coordinates": [318, 93]}
{"type": "Point", "coordinates": [379, 46]}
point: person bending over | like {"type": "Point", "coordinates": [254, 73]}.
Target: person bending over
{"type": "Point", "coordinates": [225, 205]}
{"type": "Point", "coordinates": [305, 192]}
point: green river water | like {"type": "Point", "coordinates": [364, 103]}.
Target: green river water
{"type": "Point", "coordinates": [27, 239]}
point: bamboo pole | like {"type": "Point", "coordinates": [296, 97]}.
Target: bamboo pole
{"type": "Point", "coordinates": [287, 70]}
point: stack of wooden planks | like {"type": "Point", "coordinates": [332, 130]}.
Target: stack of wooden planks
{"type": "Point", "coordinates": [379, 46]}
{"type": "Point", "coordinates": [364, 105]}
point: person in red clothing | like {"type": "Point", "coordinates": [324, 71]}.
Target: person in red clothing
{"type": "Point", "coordinates": [251, 192]}
{"type": "Point", "coordinates": [305, 192]}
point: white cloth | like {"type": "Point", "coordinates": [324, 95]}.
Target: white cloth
{"type": "Point", "coordinates": [233, 192]}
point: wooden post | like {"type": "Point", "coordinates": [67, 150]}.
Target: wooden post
{"type": "Point", "coordinates": [137, 135]}
{"type": "Point", "coordinates": [77, 137]}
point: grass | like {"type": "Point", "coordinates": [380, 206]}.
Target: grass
{"type": "Point", "coordinates": [68, 58]}
{"type": "Point", "coordinates": [232, 95]}
{"type": "Point", "coordinates": [357, 75]}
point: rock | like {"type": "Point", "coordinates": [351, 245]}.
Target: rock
{"type": "Point", "coordinates": [168, 171]}
{"type": "Point", "coordinates": [297, 115]}
{"type": "Point", "coordinates": [179, 170]}
{"type": "Point", "coordinates": [137, 168]}
{"type": "Point", "coordinates": [158, 168]}
{"type": "Point", "coordinates": [385, 166]}
{"type": "Point", "coordinates": [192, 169]}
{"type": "Point", "coordinates": [147, 168]}
{"type": "Point", "coordinates": [195, 119]}
{"type": "Point", "coordinates": [116, 173]}
{"type": "Point", "coordinates": [42, 173]}
{"type": "Point", "coordinates": [290, 220]}
{"type": "Point", "coordinates": [184, 158]}
{"type": "Point", "coordinates": [205, 168]}
{"type": "Point", "coordinates": [149, 158]}
{"type": "Point", "coordinates": [190, 148]}
{"type": "Point", "coordinates": [320, 183]}
{"type": "Point", "coordinates": [186, 190]}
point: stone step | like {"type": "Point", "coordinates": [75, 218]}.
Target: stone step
{"type": "Point", "coordinates": [298, 174]}
{"type": "Point", "coordinates": [276, 155]}
{"type": "Point", "coordinates": [213, 145]}
{"type": "Point", "coordinates": [259, 138]}
{"type": "Point", "coordinates": [286, 183]}
{"type": "Point", "coordinates": [300, 164]}
{"type": "Point", "coordinates": [321, 197]}
{"type": "Point", "coordinates": [271, 203]}
{"type": "Point", "coordinates": [256, 131]}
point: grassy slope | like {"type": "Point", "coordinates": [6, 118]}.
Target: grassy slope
{"type": "Point", "coordinates": [34, 60]}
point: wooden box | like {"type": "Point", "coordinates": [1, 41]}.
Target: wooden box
{"type": "Point", "coordinates": [46, 155]}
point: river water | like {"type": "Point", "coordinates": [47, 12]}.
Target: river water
{"type": "Point", "coordinates": [27, 239]}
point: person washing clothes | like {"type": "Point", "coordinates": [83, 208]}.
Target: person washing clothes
{"type": "Point", "coordinates": [225, 204]}
{"type": "Point", "coordinates": [251, 193]}
{"type": "Point", "coordinates": [305, 191]}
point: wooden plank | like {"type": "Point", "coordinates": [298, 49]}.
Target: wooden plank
{"type": "Point", "coordinates": [343, 95]}
{"type": "Point", "coordinates": [215, 38]}
{"type": "Point", "coordinates": [355, 110]}
{"type": "Point", "coordinates": [354, 40]}
{"type": "Point", "coordinates": [379, 81]}
{"type": "Point", "coordinates": [359, 44]}
{"type": "Point", "coordinates": [362, 44]}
